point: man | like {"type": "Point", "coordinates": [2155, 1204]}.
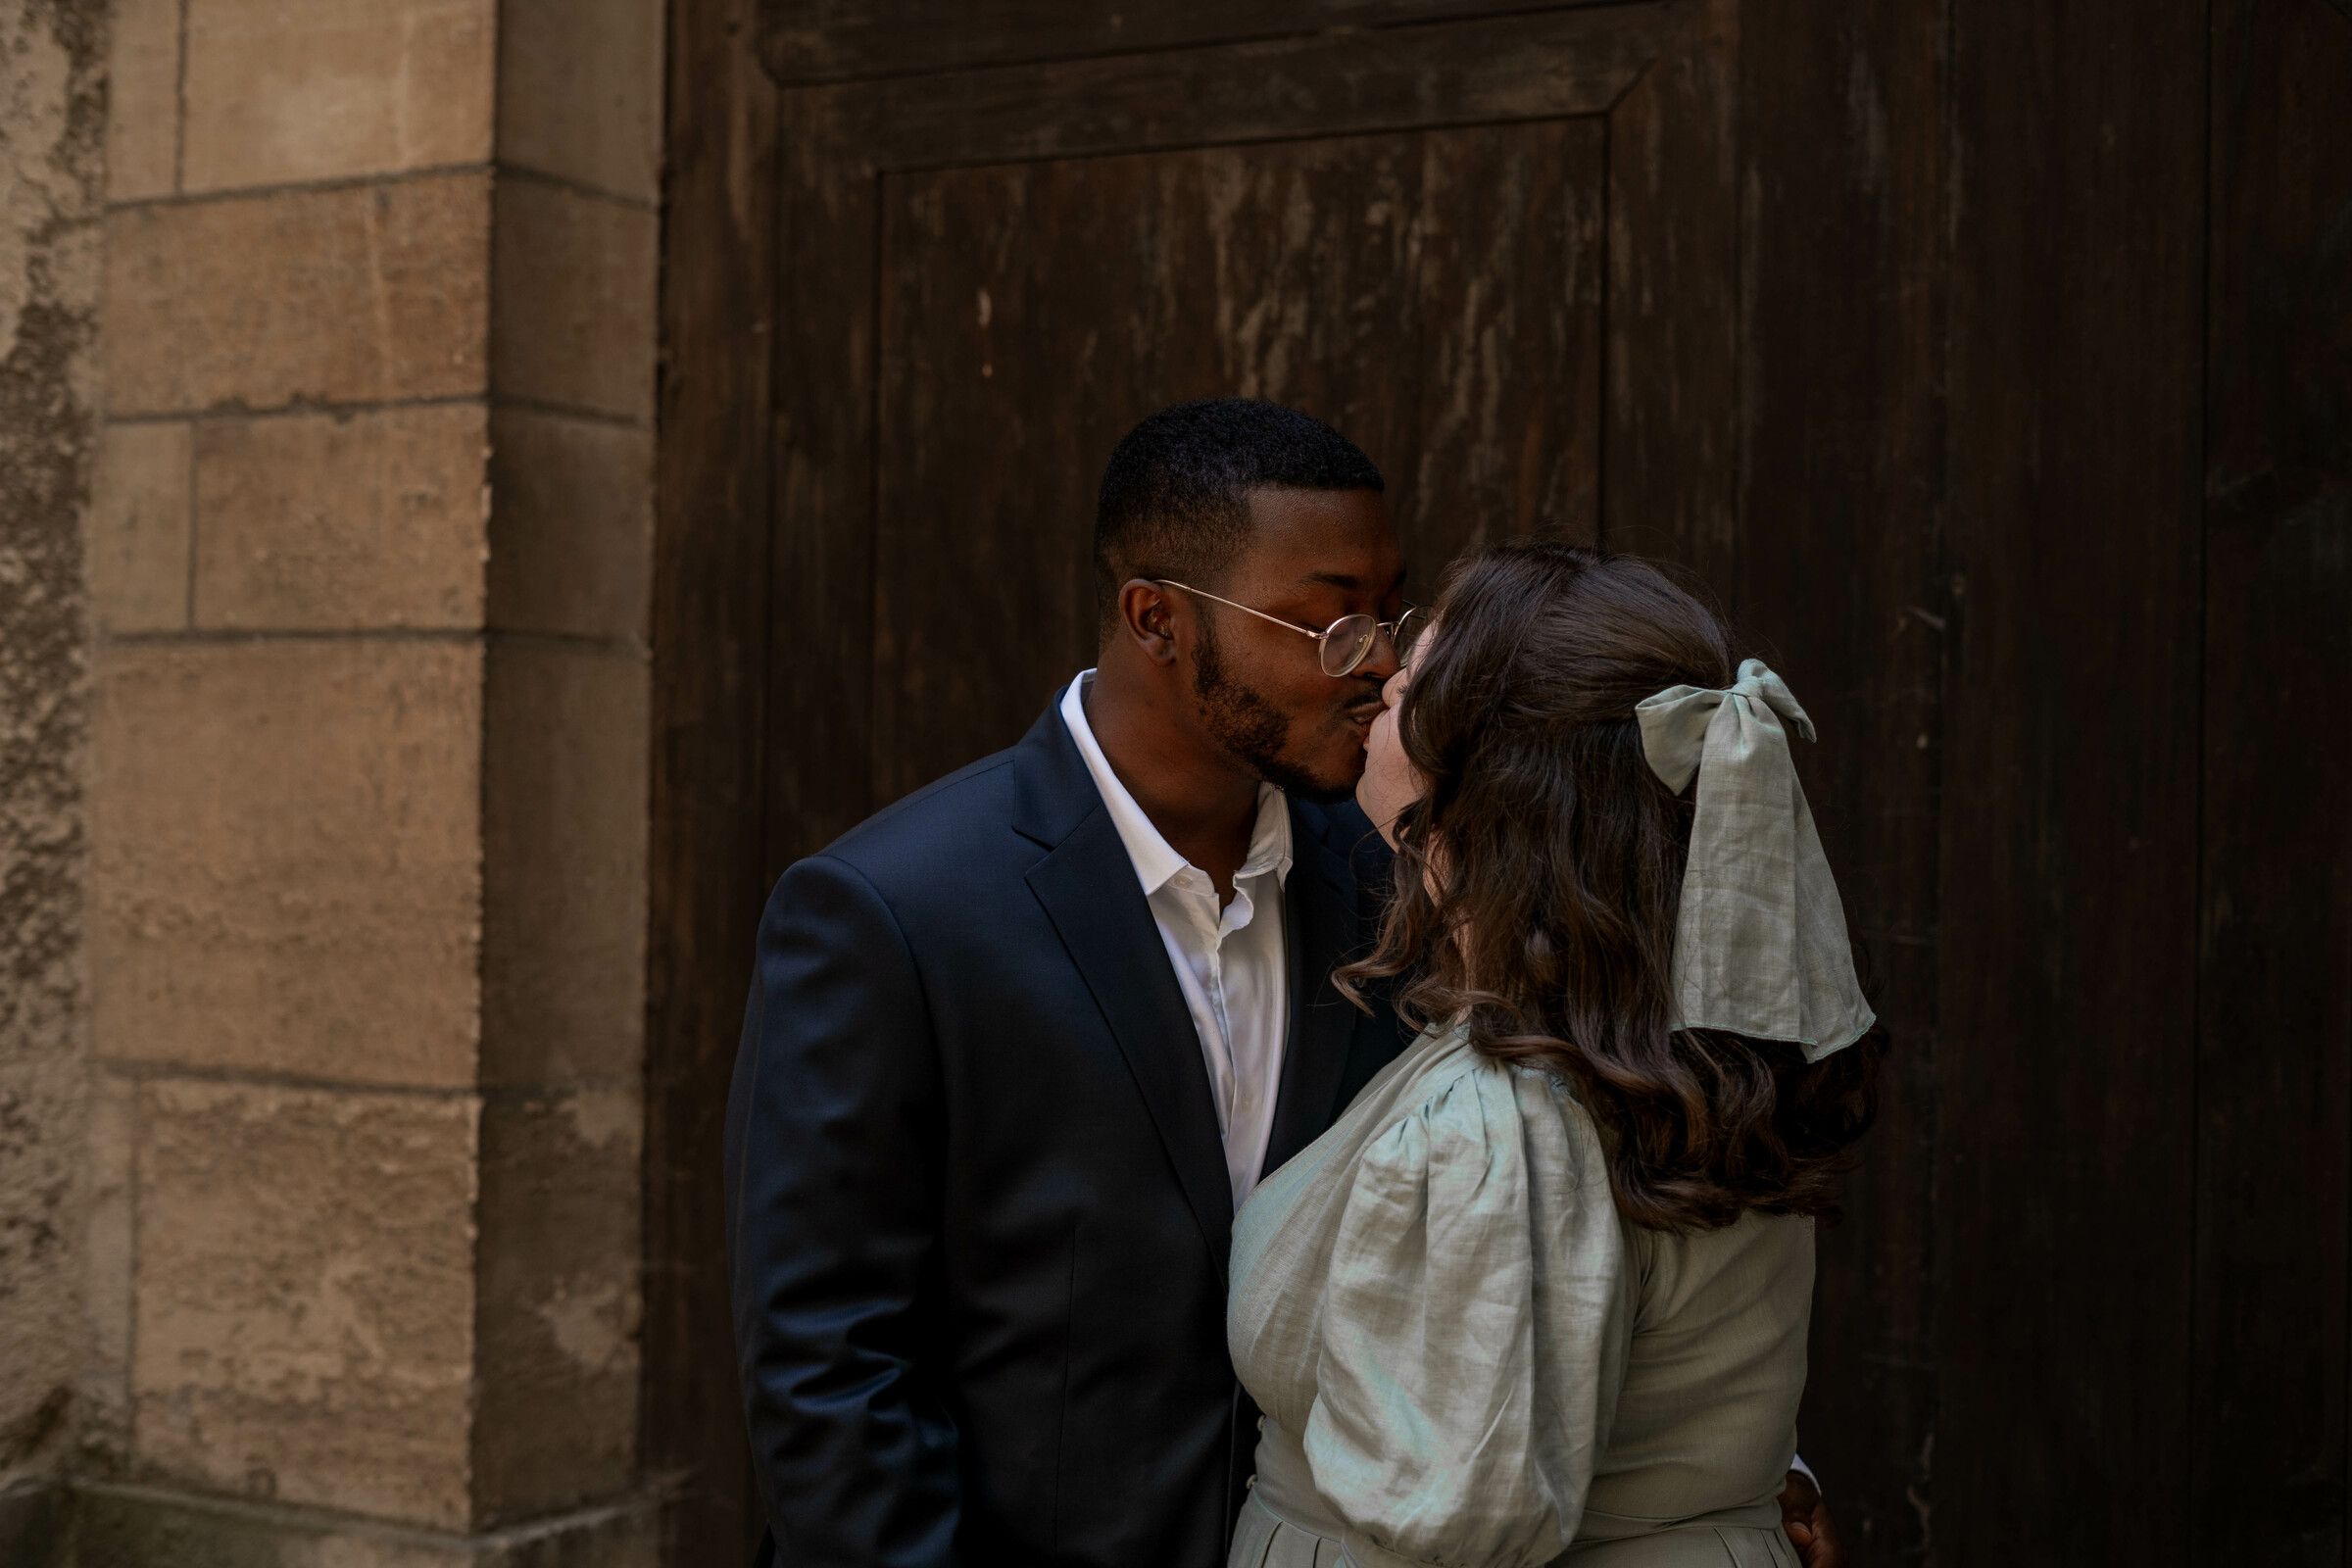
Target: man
{"type": "Point", "coordinates": [1019, 1045]}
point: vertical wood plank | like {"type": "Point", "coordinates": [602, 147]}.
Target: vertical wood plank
{"type": "Point", "coordinates": [1670, 470]}
{"type": "Point", "coordinates": [710, 637]}
{"type": "Point", "coordinates": [1511, 268]}
{"type": "Point", "coordinates": [823, 585]}
{"type": "Point", "coordinates": [986, 581]}
{"type": "Point", "coordinates": [1839, 583]}
{"type": "Point", "coordinates": [2275, 1001]}
{"type": "Point", "coordinates": [2064, 1071]}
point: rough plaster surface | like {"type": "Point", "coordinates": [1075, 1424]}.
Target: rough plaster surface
{"type": "Point", "coordinates": [52, 124]}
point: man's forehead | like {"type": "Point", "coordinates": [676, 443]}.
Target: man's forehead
{"type": "Point", "coordinates": [1339, 539]}
{"type": "Point", "coordinates": [1281, 506]}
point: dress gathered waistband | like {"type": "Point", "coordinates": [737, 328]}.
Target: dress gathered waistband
{"type": "Point", "coordinates": [1749, 1534]}
{"type": "Point", "coordinates": [1286, 1483]}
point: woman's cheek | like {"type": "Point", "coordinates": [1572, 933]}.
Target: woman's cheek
{"type": "Point", "coordinates": [1388, 786]}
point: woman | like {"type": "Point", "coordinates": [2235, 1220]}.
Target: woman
{"type": "Point", "coordinates": [1543, 1289]}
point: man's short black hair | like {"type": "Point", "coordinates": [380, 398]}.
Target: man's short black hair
{"type": "Point", "coordinates": [1175, 499]}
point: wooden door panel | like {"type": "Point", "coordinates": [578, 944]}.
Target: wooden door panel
{"type": "Point", "coordinates": [1540, 67]}
{"type": "Point", "coordinates": [1499, 252]}
{"type": "Point", "coordinates": [828, 40]}
{"type": "Point", "coordinates": [1031, 314]}
{"type": "Point", "coordinates": [1436, 296]}
{"type": "Point", "coordinates": [1410, 231]}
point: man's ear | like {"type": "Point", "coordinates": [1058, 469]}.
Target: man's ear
{"type": "Point", "coordinates": [1147, 617]}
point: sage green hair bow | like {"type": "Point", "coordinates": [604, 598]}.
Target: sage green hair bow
{"type": "Point", "coordinates": [1760, 945]}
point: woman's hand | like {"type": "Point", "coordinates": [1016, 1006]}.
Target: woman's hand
{"type": "Point", "coordinates": [1806, 1519]}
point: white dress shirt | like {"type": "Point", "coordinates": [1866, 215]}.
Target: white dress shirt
{"type": "Point", "coordinates": [1230, 962]}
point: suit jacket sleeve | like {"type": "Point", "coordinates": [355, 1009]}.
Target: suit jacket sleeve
{"type": "Point", "coordinates": [833, 1146]}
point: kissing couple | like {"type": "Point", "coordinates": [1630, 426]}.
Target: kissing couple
{"type": "Point", "coordinates": [1355, 1085]}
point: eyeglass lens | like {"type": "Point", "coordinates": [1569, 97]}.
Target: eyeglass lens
{"type": "Point", "coordinates": [1349, 641]}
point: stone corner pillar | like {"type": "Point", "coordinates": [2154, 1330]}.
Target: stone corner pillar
{"type": "Point", "coordinates": [369, 556]}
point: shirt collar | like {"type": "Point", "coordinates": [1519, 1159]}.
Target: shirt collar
{"type": "Point", "coordinates": [1155, 862]}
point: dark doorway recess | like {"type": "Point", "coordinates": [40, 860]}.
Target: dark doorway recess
{"type": "Point", "coordinates": [1992, 366]}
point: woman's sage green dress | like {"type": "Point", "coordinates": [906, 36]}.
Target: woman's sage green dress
{"type": "Point", "coordinates": [1466, 1358]}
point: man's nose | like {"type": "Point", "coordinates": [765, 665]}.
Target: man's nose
{"type": "Point", "coordinates": [1381, 661]}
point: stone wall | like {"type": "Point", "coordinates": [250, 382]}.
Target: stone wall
{"type": "Point", "coordinates": [51, 127]}
{"type": "Point", "coordinates": [366, 773]}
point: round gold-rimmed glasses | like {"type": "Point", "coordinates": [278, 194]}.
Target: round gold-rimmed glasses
{"type": "Point", "coordinates": [1347, 642]}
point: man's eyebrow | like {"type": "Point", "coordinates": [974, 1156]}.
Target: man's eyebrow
{"type": "Point", "coordinates": [1344, 580]}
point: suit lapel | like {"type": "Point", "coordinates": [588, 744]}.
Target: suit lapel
{"type": "Point", "coordinates": [1087, 885]}
{"type": "Point", "coordinates": [1319, 921]}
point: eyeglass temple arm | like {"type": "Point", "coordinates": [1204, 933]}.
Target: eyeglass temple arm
{"type": "Point", "coordinates": [1244, 608]}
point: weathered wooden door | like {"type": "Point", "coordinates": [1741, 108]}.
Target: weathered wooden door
{"type": "Point", "coordinates": [1495, 253]}
{"type": "Point", "coordinates": [2004, 272]}
{"type": "Point", "coordinates": [968, 251]}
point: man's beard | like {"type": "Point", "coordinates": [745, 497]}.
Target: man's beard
{"type": "Point", "coordinates": [1250, 727]}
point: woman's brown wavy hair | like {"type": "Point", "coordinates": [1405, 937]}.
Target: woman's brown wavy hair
{"type": "Point", "coordinates": [1538, 879]}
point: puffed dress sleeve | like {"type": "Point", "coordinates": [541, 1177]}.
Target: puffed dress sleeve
{"type": "Point", "coordinates": [1475, 1324]}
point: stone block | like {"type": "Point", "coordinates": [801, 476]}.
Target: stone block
{"type": "Point", "coordinates": [572, 526]}
{"type": "Point", "coordinates": [555, 1414]}
{"type": "Point", "coordinates": [305, 1327]}
{"type": "Point", "coordinates": [579, 91]}
{"type": "Point", "coordinates": [565, 801]}
{"type": "Point", "coordinates": [108, 1525]}
{"type": "Point", "coordinates": [332, 88]}
{"type": "Point", "coordinates": [313, 521]}
{"type": "Point", "coordinates": [139, 529]}
{"type": "Point", "coordinates": [142, 99]}
{"type": "Point", "coordinates": [573, 313]}
{"type": "Point", "coordinates": [286, 858]}
{"type": "Point", "coordinates": [351, 294]}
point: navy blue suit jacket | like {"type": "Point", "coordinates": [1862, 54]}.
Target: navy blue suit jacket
{"type": "Point", "coordinates": [977, 1205]}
